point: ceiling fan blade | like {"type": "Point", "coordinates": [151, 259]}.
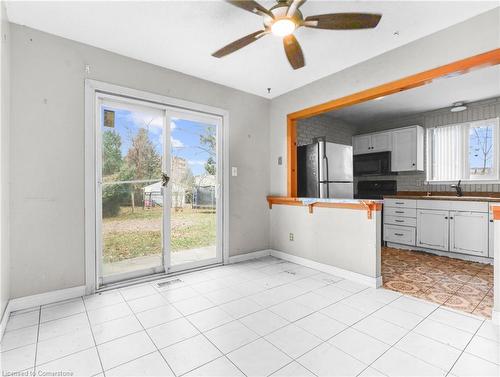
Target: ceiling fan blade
{"type": "Point", "coordinates": [240, 43]}
{"type": "Point", "coordinates": [251, 6]}
{"type": "Point", "coordinates": [294, 5]}
{"type": "Point", "coordinates": [293, 51]}
{"type": "Point", "coordinates": [343, 21]}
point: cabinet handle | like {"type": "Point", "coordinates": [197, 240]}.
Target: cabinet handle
{"type": "Point", "coordinates": [399, 221]}
{"type": "Point", "coordinates": [399, 234]}
{"type": "Point", "coordinates": [399, 211]}
{"type": "Point", "coordinates": [451, 218]}
{"type": "Point", "coordinates": [399, 202]}
{"type": "Point", "coordinates": [446, 217]}
{"type": "Point", "coordinates": [413, 164]}
{"type": "Point", "coordinates": [491, 221]}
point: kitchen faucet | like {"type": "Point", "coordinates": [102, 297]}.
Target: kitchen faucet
{"type": "Point", "coordinates": [458, 189]}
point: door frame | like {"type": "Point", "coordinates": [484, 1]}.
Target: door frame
{"type": "Point", "coordinates": [94, 87]}
{"type": "Point", "coordinates": [135, 274]}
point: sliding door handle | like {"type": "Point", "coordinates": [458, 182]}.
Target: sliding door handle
{"type": "Point", "coordinates": [164, 179]}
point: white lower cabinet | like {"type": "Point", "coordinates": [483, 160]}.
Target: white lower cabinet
{"type": "Point", "coordinates": [469, 233]}
{"type": "Point", "coordinates": [432, 229]}
{"type": "Point", "coordinates": [399, 234]}
{"type": "Point", "coordinates": [462, 227]}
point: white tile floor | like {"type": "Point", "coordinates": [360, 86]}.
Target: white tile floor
{"type": "Point", "coordinates": [257, 318]}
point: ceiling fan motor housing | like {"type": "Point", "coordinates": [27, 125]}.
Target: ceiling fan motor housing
{"type": "Point", "coordinates": [279, 11]}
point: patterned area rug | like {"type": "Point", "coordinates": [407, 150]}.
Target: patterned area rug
{"type": "Point", "coordinates": [458, 284]}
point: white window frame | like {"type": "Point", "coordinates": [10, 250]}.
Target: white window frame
{"type": "Point", "coordinates": [466, 177]}
{"type": "Point", "coordinates": [92, 87]}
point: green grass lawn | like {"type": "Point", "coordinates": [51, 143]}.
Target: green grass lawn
{"type": "Point", "coordinates": [137, 234]}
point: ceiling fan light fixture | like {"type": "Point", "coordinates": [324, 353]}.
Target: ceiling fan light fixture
{"type": "Point", "coordinates": [283, 27]}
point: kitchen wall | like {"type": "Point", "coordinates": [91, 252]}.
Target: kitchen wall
{"type": "Point", "coordinates": [415, 181]}
{"type": "Point", "coordinates": [335, 130]}
{"type": "Point", "coordinates": [4, 159]}
{"type": "Point", "coordinates": [476, 35]}
{"type": "Point", "coordinates": [47, 153]}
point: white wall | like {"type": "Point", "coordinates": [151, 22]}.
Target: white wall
{"type": "Point", "coordinates": [342, 238]}
{"type": "Point", "coordinates": [471, 37]}
{"type": "Point", "coordinates": [47, 153]}
{"type": "Point", "coordinates": [4, 160]}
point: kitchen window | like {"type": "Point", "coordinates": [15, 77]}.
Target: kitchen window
{"type": "Point", "coordinates": [465, 151]}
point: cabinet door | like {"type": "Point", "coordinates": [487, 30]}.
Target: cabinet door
{"type": "Point", "coordinates": [381, 142]}
{"type": "Point", "coordinates": [361, 144]}
{"type": "Point", "coordinates": [432, 229]}
{"type": "Point", "coordinates": [404, 150]}
{"type": "Point", "coordinates": [469, 233]}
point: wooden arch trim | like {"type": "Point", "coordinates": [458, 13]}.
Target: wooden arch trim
{"type": "Point", "coordinates": [459, 67]}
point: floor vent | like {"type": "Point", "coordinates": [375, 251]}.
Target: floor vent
{"type": "Point", "coordinates": [162, 284]}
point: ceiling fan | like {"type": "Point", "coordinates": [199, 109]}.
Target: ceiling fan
{"type": "Point", "coordinates": [285, 17]}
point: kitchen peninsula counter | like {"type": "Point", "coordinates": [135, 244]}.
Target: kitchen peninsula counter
{"type": "Point", "coordinates": [338, 236]}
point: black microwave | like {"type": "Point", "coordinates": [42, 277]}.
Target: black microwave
{"type": "Point", "coordinates": [372, 164]}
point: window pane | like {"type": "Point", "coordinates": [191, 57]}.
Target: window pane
{"type": "Point", "coordinates": [447, 153]}
{"type": "Point", "coordinates": [132, 140]}
{"type": "Point", "coordinates": [481, 151]}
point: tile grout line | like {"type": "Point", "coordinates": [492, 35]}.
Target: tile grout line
{"type": "Point", "coordinates": [291, 282]}
{"type": "Point", "coordinates": [37, 337]}
{"type": "Point", "coordinates": [463, 351]}
{"type": "Point", "coordinates": [392, 346]}
{"type": "Point", "coordinates": [149, 337]}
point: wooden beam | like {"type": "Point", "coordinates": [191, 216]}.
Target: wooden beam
{"type": "Point", "coordinates": [291, 157]}
{"type": "Point", "coordinates": [459, 67]}
{"type": "Point", "coordinates": [456, 68]}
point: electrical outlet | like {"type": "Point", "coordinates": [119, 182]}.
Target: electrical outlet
{"type": "Point", "coordinates": [290, 236]}
{"type": "Point", "coordinates": [234, 171]}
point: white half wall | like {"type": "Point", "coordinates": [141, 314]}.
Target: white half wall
{"type": "Point", "coordinates": [342, 238]}
{"type": "Point", "coordinates": [47, 153]}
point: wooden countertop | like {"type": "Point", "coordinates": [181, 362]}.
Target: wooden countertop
{"type": "Point", "coordinates": [357, 204]}
{"type": "Point", "coordinates": [465, 198]}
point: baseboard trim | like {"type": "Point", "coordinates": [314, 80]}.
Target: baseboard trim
{"type": "Point", "coordinates": [248, 256]}
{"type": "Point", "coordinates": [46, 298]}
{"type": "Point", "coordinates": [349, 275]}
{"type": "Point", "coordinates": [5, 318]}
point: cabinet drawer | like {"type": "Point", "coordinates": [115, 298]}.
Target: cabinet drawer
{"type": "Point", "coordinates": [405, 203]}
{"type": "Point", "coordinates": [400, 212]}
{"type": "Point", "coordinates": [406, 221]}
{"type": "Point", "coordinates": [399, 234]}
{"type": "Point", "coordinates": [453, 205]}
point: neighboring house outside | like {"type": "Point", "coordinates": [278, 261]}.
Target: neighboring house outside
{"type": "Point", "coordinates": [204, 191]}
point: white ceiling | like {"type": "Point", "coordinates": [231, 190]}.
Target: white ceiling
{"type": "Point", "coordinates": [182, 35]}
{"type": "Point", "coordinates": [473, 86]}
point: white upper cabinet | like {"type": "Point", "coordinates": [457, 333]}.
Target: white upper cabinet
{"type": "Point", "coordinates": [371, 143]}
{"type": "Point", "coordinates": [381, 141]}
{"type": "Point", "coordinates": [406, 145]}
{"type": "Point", "coordinates": [361, 144]}
{"type": "Point", "coordinates": [407, 149]}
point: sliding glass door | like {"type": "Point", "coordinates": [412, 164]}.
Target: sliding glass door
{"type": "Point", "coordinates": [157, 189]}
{"type": "Point", "coordinates": [195, 188]}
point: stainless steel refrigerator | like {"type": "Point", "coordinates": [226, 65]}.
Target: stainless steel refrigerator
{"type": "Point", "coordinates": [324, 170]}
